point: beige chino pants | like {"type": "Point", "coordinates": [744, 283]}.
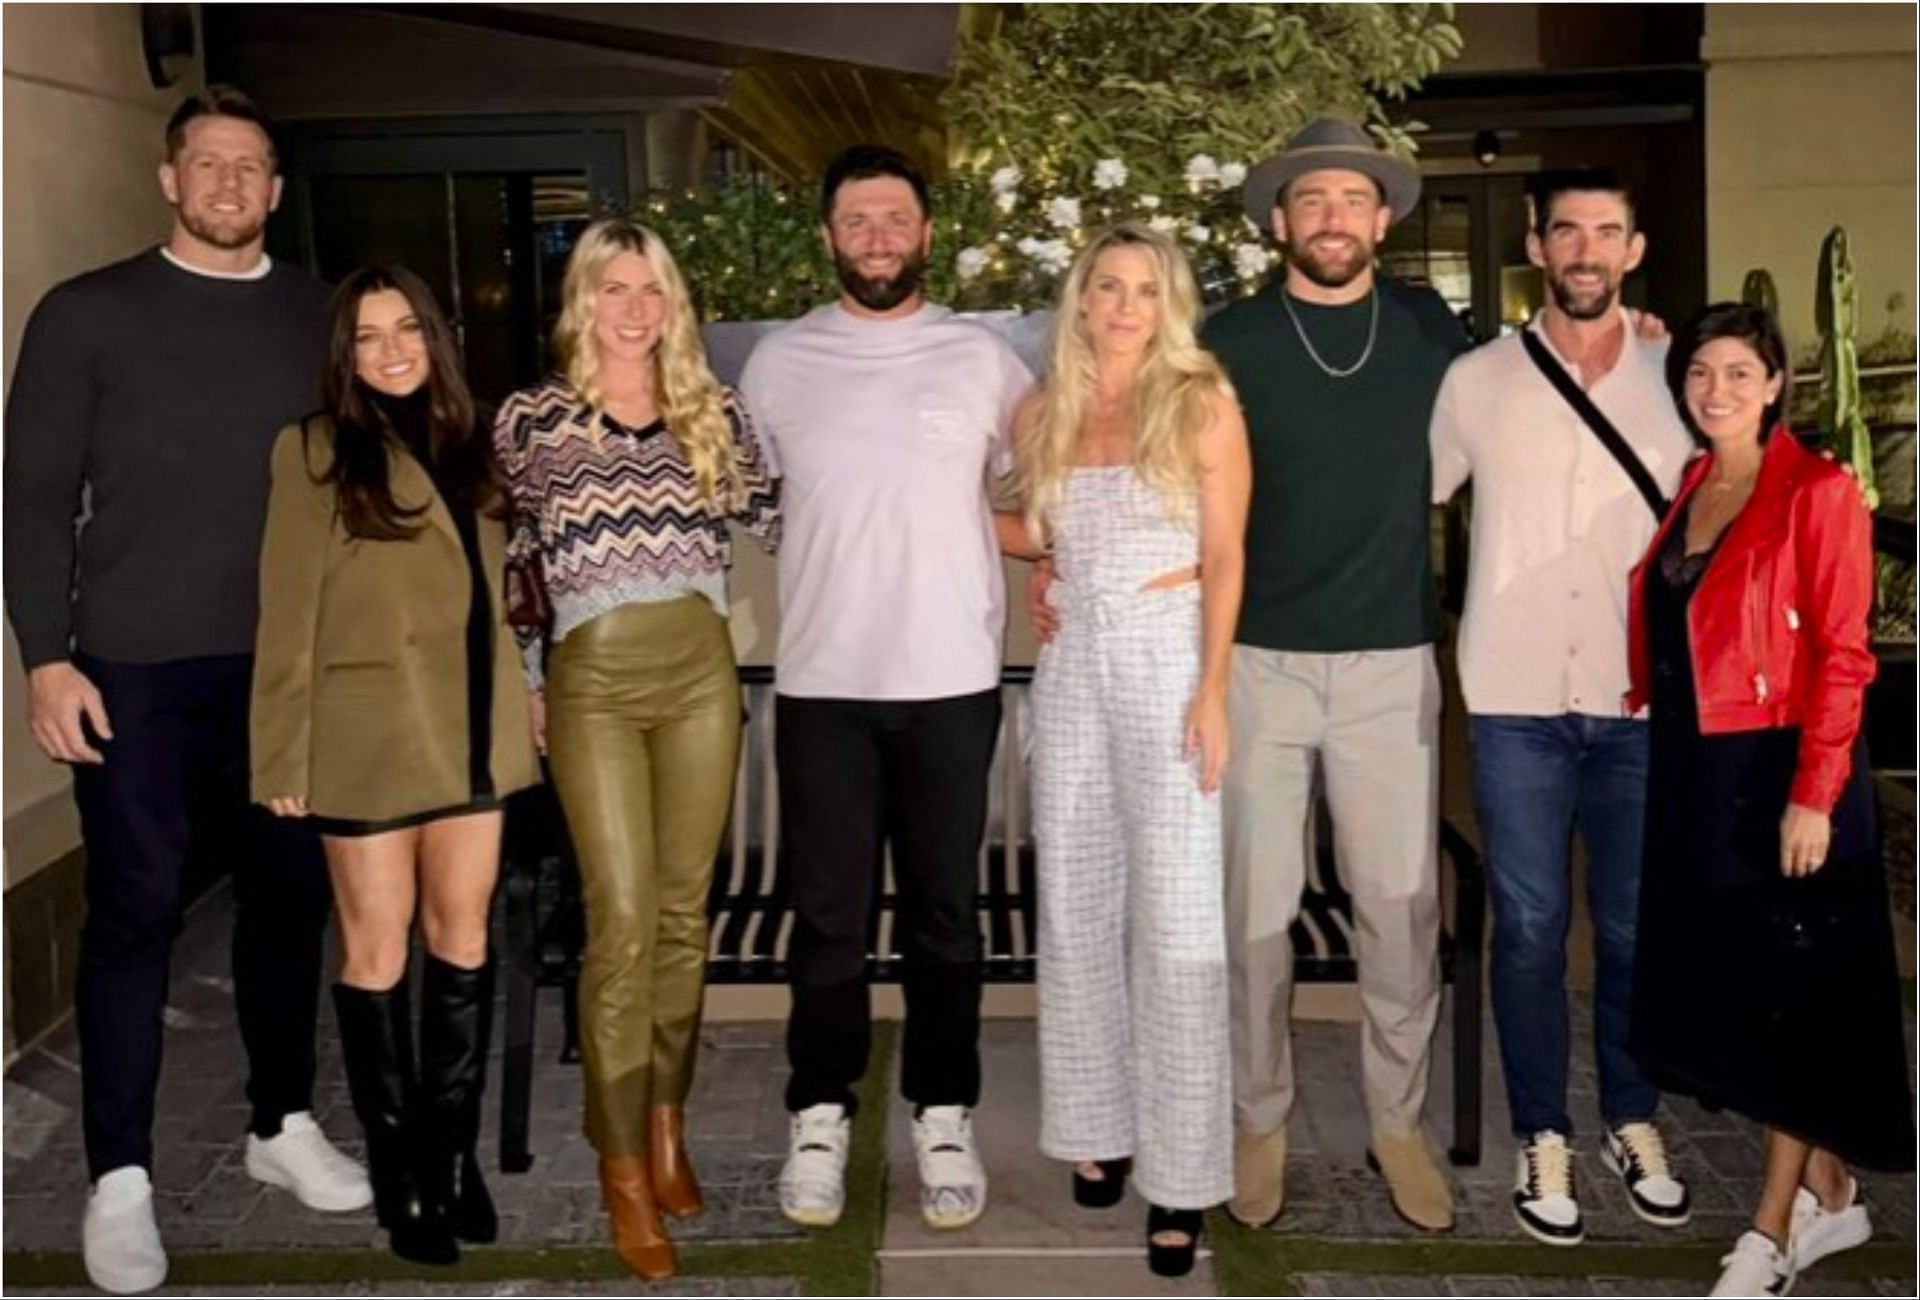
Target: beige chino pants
{"type": "Point", "coordinates": [1368, 723]}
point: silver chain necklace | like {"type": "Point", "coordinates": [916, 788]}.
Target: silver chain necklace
{"type": "Point", "coordinates": [1373, 332]}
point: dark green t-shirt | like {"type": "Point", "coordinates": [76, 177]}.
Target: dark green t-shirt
{"type": "Point", "coordinates": [1337, 537]}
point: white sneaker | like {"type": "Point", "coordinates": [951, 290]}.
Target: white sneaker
{"type": "Point", "coordinates": [953, 1182]}
{"type": "Point", "coordinates": [1543, 1199]}
{"type": "Point", "coordinates": [300, 1159]}
{"type": "Point", "coordinates": [813, 1183]}
{"type": "Point", "coordinates": [119, 1239]}
{"type": "Point", "coordinates": [1819, 1232]}
{"type": "Point", "coordinates": [1638, 1155]}
{"type": "Point", "coordinates": [1756, 1267]}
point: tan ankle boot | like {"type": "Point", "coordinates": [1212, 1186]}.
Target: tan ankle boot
{"type": "Point", "coordinates": [1259, 1177]}
{"type": "Point", "coordinates": [1420, 1190]}
{"type": "Point", "coordinates": [638, 1235]}
{"type": "Point", "coordinates": [675, 1189]}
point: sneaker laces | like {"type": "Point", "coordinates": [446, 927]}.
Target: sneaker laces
{"type": "Point", "coordinates": [1646, 1149]}
{"type": "Point", "coordinates": [1550, 1167]}
{"type": "Point", "coordinates": [822, 1133]}
{"type": "Point", "coordinates": [949, 1169]}
{"type": "Point", "coordinates": [945, 1131]}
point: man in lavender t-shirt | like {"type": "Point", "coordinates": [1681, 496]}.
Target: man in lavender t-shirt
{"type": "Point", "coordinates": [885, 415]}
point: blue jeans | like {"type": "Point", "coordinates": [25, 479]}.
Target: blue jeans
{"type": "Point", "coordinates": [1535, 780]}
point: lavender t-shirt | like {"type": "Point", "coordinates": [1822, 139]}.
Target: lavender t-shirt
{"type": "Point", "coordinates": [884, 432]}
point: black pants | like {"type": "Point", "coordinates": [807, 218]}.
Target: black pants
{"type": "Point", "coordinates": [856, 775]}
{"type": "Point", "coordinates": [176, 773]}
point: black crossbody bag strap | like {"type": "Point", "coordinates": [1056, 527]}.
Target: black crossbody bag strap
{"type": "Point", "coordinates": [1602, 427]}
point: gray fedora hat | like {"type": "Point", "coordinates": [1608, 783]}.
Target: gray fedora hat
{"type": "Point", "coordinates": [1324, 143]}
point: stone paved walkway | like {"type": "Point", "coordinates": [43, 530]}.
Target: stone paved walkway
{"type": "Point", "coordinates": [231, 1236]}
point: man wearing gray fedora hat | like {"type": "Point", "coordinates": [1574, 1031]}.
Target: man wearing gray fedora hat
{"type": "Point", "coordinates": [1334, 682]}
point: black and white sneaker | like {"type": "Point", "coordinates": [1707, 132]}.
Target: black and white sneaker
{"type": "Point", "coordinates": [1638, 1155]}
{"type": "Point", "coordinates": [1543, 1199]}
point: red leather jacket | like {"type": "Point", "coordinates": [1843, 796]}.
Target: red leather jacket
{"type": "Point", "coordinates": [1779, 622]}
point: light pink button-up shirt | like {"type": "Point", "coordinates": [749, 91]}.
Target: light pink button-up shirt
{"type": "Point", "coordinates": [1557, 524]}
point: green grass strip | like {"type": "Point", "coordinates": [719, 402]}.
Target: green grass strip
{"type": "Point", "coordinates": [1248, 1261]}
{"type": "Point", "coordinates": [1254, 1262]}
{"type": "Point", "coordinates": [840, 1260]}
{"type": "Point", "coordinates": [239, 1268]}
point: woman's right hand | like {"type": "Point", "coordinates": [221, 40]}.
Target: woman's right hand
{"type": "Point", "coordinates": [288, 806]}
{"type": "Point", "coordinates": [537, 714]}
{"type": "Point", "coordinates": [1041, 614]}
{"type": "Point", "coordinates": [1805, 834]}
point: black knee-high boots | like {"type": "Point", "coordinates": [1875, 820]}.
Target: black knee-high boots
{"type": "Point", "coordinates": [423, 1125]}
{"type": "Point", "coordinates": [456, 1017]}
{"type": "Point", "coordinates": [376, 1038]}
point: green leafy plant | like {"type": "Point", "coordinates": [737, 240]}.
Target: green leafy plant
{"type": "Point", "coordinates": [750, 249]}
{"type": "Point", "coordinates": [1059, 87]}
{"type": "Point", "coordinates": [1080, 116]}
{"type": "Point", "coordinates": [1066, 119]}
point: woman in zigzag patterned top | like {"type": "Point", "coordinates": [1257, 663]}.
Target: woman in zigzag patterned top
{"type": "Point", "coordinates": [625, 470]}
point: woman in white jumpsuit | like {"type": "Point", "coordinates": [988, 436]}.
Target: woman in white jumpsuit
{"type": "Point", "coordinates": [1134, 474]}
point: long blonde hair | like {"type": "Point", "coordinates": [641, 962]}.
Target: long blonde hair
{"type": "Point", "coordinates": [689, 396]}
{"type": "Point", "coordinates": [1171, 394]}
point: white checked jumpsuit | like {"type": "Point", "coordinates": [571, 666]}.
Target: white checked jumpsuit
{"type": "Point", "coordinates": [1132, 944]}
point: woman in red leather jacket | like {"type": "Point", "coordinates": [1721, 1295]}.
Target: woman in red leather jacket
{"type": "Point", "coordinates": [1765, 979]}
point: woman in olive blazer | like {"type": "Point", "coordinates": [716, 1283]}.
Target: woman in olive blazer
{"type": "Point", "coordinates": [358, 702]}
{"type": "Point", "coordinates": [389, 705]}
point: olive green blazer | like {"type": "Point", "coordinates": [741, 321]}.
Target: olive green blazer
{"type": "Point", "coordinates": [359, 678]}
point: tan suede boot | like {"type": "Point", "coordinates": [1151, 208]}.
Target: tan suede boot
{"type": "Point", "coordinates": [1421, 1191]}
{"type": "Point", "coordinates": [1259, 1177]}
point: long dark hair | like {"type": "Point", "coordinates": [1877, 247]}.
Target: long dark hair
{"type": "Point", "coordinates": [1753, 326]}
{"type": "Point", "coordinates": [459, 453]}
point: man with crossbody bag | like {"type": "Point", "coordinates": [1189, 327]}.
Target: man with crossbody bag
{"type": "Point", "coordinates": [1574, 446]}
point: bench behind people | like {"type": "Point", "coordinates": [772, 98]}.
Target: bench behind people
{"type": "Point", "coordinates": [751, 920]}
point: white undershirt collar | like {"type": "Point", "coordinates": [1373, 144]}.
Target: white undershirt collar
{"type": "Point", "coordinates": [258, 271]}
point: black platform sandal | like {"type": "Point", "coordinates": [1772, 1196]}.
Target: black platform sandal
{"type": "Point", "coordinates": [1166, 1260]}
{"type": "Point", "coordinates": [1104, 1192]}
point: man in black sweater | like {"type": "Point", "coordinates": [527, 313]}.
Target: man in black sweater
{"type": "Point", "coordinates": [142, 412]}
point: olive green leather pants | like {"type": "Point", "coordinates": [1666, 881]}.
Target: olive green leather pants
{"type": "Point", "coordinates": [643, 734]}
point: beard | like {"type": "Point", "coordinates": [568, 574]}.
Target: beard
{"type": "Point", "coordinates": [225, 233]}
{"type": "Point", "coordinates": [1579, 306]}
{"type": "Point", "coordinates": [881, 295]}
{"type": "Point", "coordinates": [1331, 271]}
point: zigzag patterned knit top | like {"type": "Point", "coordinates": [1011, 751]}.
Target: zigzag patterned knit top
{"type": "Point", "coordinates": [620, 519]}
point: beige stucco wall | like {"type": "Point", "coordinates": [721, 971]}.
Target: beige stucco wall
{"type": "Point", "coordinates": [1810, 124]}
{"type": "Point", "coordinates": [83, 136]}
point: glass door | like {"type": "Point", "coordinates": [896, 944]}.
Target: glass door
{"type": "Point", "coordinates": [1467, 239]}
{"type": "Point", "coordinates": [486, 218]}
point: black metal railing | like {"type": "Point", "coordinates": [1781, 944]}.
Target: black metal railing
{"type": "Point", "coordinates": [751, 918]}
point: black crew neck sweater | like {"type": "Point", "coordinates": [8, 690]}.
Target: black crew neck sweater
{"type": "Point", "coordinates": [153, 394]}
{"type": "Point", "coordinates": [1337, 534]}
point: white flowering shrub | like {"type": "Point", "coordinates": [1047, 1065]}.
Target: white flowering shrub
{"type": "Point", "coordinates": [1154, 113]}
{"type": "Point", "coordinates": [1068, 119]}
{"type": "Point", "coordinates": [1030, 236]}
